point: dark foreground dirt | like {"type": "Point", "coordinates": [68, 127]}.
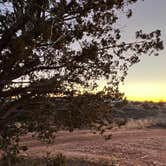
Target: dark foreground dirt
{"type": "Point", "coordinates": [144, 147]}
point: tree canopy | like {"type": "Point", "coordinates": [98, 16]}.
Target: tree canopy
{"type": "Point", "coordinates": [58, 47]}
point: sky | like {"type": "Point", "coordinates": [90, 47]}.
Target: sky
{"type": "Point", "coordinates": [146, 80]}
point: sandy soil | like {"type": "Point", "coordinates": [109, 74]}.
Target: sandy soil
{"type": "Point", "coordinates": [144, 147]}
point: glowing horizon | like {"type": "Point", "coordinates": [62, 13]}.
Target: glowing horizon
{"type": "Point", "coordinates": [146, 81]}
{"type": "Point", "coordinates": [144, 92]}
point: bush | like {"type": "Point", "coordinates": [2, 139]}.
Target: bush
{"type": "Point", "coordinates": [59, 160]}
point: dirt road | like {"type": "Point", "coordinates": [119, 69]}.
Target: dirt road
{"type": "Point", "coordinates": [144, 147]}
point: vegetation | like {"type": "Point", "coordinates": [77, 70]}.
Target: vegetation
{"type": "Point", "coordinates": [61, 48]}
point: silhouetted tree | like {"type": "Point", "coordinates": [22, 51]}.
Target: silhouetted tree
{"type": "Point", "coordinates": [56, 48]}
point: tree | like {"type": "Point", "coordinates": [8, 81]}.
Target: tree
{"type": "Point", "coordinates": [59, 47]}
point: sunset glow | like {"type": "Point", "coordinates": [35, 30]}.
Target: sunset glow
{"type": "Point", "coordinates": [145, 92]}
{"type": "Point", "coordinates": [147, 79]}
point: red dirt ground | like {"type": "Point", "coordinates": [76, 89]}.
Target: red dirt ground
{"type": "Point", "coordinates": [144, 147]}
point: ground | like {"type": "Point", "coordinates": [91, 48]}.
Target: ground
{"type": "Point", "coordinates": [128, 147]}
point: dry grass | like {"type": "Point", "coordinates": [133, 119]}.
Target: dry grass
{"type": "Point", "coordinates": [139, 124]}
{"type": "Point", "coordinates": [138, 118]}
{"type": "Point", "coordinates": [158, 122]}
{"type": "Point", "coordinates": [142, 115]}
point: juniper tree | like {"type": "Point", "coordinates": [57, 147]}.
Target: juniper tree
{"type": "Point", "coordinates": [53, 48]}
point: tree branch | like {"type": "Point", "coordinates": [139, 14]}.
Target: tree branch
{"type": "Point", "coordinates": [6, 37]}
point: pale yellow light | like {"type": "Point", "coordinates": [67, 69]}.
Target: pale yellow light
{"type": "Point", "coordinates": [144, 91]}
